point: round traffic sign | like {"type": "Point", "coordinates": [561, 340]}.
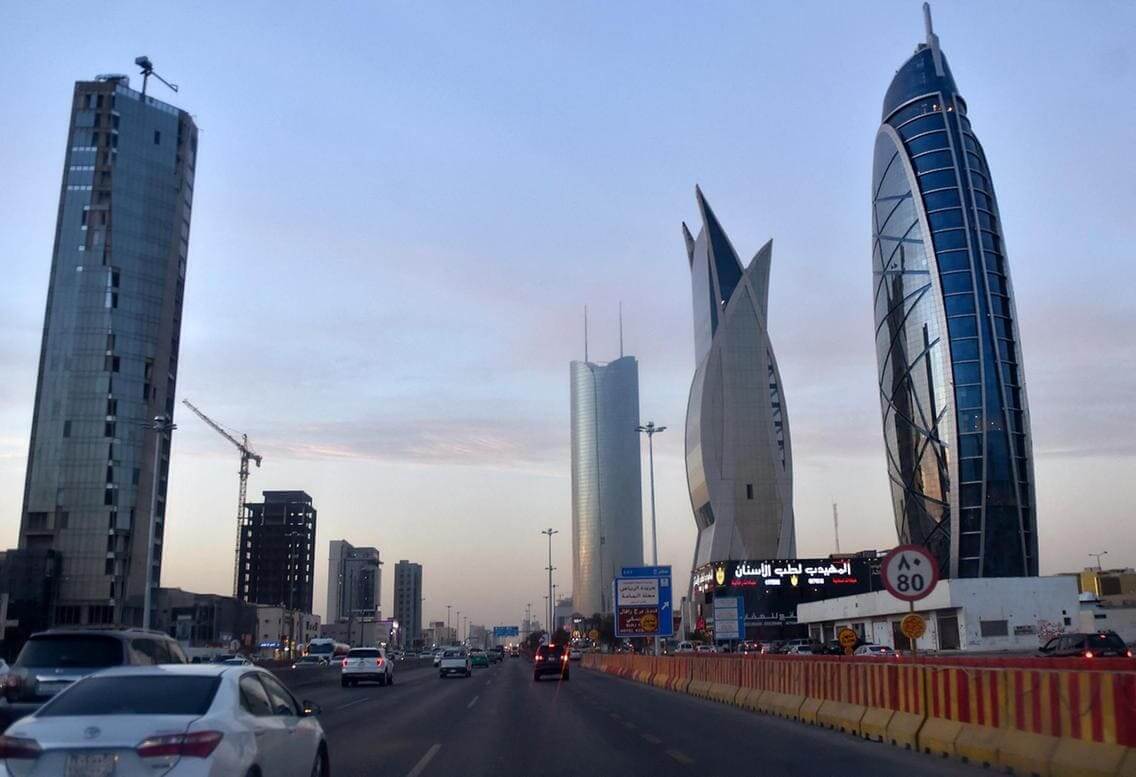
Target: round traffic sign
{"type": "Point", "coordinates": [909, 572]}
{"type": "Point", "coordinates": [913, 626]}
{"type": "Point", "coordinates": [847, 638]}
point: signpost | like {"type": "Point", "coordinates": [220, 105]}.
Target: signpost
{"type": "Point", "coordinates": [729, 618]}
{"type": "Point", "coordinates": [910, 573]}
{"type": "Point", "coordinates": [642, 599]}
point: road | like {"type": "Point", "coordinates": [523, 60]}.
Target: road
{"type": "Point", "coordinates": [500, 723]}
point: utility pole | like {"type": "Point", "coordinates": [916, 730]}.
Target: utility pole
{"type": "Point", "coordinates": [448, 606]}
{"type": "Point", "coordinates": [548, 624]}
{"type": "Point", "coordinates": [162, 428]}
{"type": "Point", "coordinates": [651, 430]}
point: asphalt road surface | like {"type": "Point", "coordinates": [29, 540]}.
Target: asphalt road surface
{"type": "Point", "coordinates": [500, 723]}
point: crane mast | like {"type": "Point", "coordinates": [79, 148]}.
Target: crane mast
{"type": "Point", "coordinates": [247, 453]}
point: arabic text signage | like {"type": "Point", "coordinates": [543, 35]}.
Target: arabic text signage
{"type": "Point", "coordinates": [643, 603]}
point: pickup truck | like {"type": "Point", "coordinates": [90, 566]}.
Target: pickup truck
{"type": "Point", "coordinates": [455, 661]}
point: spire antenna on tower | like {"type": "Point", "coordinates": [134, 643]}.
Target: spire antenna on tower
{"type": "Point", "coordinates": [585, 334]}
{"type": "Point", "coordinates": [621, 329]}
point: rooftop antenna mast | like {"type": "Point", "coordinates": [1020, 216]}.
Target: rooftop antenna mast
{"type": "Point", "coordinates": [585, 334]}
{"type": "Point", "coordinates": [147, 71]}
{"type": "Point", "coordinates": [621, 329]}
{"type": "Point", "coordinates": [836, 526]}
{"type": "Point", "coordinates": [932, 40]}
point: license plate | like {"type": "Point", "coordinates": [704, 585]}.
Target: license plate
{"type": "Point", "coordinates": [90, 765]}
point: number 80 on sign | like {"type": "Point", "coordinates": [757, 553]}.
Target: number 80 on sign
{"type": "Point", "coordinates": [909, 572]}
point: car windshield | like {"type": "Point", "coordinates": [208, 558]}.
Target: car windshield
{"type": "Point", "coordinates": [1106, 642]}
{"type": "Point", "coordinates": [71, 650]}
{"type": "Point", "coordinates": [363, 653]}
{"type": "Point", "coordinates": [135, 695]}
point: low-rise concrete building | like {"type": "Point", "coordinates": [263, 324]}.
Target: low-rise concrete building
{"type": "Point", "coordinates": [282, 633]}
{"type": "Point", "coordinates": [965, 614]}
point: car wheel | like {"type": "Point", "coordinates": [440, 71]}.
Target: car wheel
{"type": "Point", "coordinates": [383, 679]}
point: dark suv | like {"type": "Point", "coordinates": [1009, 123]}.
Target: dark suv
{"type": "Point", "coordinates": [52, 660]}
{"type": "Point", "coordinates": [550, 659]}
{"type": "Point", "coordinates": [1103, 644]}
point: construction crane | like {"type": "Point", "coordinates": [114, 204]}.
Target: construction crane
{"type": "Point", "coordinates": [247, 453]}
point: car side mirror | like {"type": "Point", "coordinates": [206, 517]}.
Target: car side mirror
{"type": "Point", "coordinates": [311, 709]}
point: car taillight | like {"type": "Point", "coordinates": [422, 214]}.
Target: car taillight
{"type": "Point", "coordinates": [345, 663]}
{"type": "Point", "coordinates": [1088, 654]}
{"type": "Point", "coordinates": [13, 686]}
{"type": "Point", "coordinates": [378, 662]}
{"type": "Point", "coordinates": [197, 745]}
{"type": "Point", "coordinates": [1129, 653]}
{"type": "Point", "coordinates": [18, 747]}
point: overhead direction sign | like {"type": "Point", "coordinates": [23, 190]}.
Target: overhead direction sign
{"type": "Point", "coordinates": [909, 572]}
{"type": "Point", "coordinates": [729, 618]}
{"type": "Point", "coordinates": [643, 604]}
{"type": "Point", "coordinates": [506, 631]}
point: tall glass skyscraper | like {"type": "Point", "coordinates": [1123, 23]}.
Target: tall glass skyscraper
{"type": "Point", "coordinates": [109, 356]}
{"type": "Point", "coordinates": [952, 391]}
{"type": "Point", "coordinates": [739, 461]}
{"type": "Point", "coordinates": [607, 485]}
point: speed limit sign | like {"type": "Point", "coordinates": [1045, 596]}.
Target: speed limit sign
{"type": "Point", "coordinates": [909, 572]}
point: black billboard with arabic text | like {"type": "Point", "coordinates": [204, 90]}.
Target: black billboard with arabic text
{"type": "Point", "coordinates": [771, 589]}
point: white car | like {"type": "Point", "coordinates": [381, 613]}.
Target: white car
{"type": "Point", "coordinates": [874, 650]}
{"type": "Point", "coordinates": [367, 664]}
{"type": "Point", "coordinates": [195, 720]}
{"type": "Point", "coordinates": [801, 650]}
{"type": "Point", "coordinates": [438, 658]}
{"type": "Point", "coordinates": [455, 661]}
{"type": "Point", "coordinates": [575, 654]}
{"type": "Point", "coordinates": [684, 647]}
{"type": "Point", "coordinates": [705, 649]}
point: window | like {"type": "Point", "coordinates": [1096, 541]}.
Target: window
{"type": "Point", "coordinates": [108, 429]}
{"type": "Point", "coordinates": [157, 137]}
{"type": "Point", "coordinates": [66, 428]}
{"type": "Point", "coordinates": [945, 241]}
{"type": "Point", "coordinates": [932, 161]}
{"type": "Point", "coordinates": [945, 198]}
{"type": "Point", "coordinates": [956, 282]}
{"type": "Point", "coordinates": [994, 628]}
{"type": "Point", "coordinates": [282, 701]}
{"type": "Point", "coordinates": [945, 219]}
{"type": "Point", "coordinates": [960, 304]}
{"type": "Point", "coordinates": [151, 694]}
{"type": "Point", "coordinates": [948, 632]}
{"type": "Point", "coordinates": [254, 699]}
{"type": "Point", "coordinates": [749, 490]}
{"type": "Point", "coordinates": [112, 407]}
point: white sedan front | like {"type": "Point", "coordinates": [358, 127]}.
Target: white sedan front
{"type": "Point", "coordinates": [169, 721]}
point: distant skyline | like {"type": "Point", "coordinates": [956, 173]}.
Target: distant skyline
{"type": "Point", "coordinates": [400, 211]}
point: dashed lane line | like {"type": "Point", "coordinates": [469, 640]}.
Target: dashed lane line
{"type": "Point", "coordinates": [472, 702]}
{"type": "Point", "coordinates": [627, 724]}
{"type": "Point", "coordinates": [424, 761]}
{"type": "Point", "coordinates": [681, 757]}
{"type": "Point", "coordinates": [654, 740]}
{"type": "Point", "coordinates": [353, 703]}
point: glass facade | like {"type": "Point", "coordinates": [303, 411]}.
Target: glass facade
{"type": "Point", "coordinates": [739, 464]}
{"type": "Point", "coordinates": [408, 601]}
{"type": "Point", "coordinates": [952, 391]}
{"type": "Point", "coordinates": [607, 485]}
{"type": "Point", "coordinates": [109, 355]}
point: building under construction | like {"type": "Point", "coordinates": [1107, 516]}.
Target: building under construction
{"type": "Point", "coordinates": [277, 551]}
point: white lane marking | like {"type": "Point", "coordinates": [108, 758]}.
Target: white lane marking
{"type": "Point", "coordinates": [654, 740]}
{"type": "Point", "coordinates": [353, 703]}
{"type": "Point", "coordinates": [681, 757]}
{"type": "Point", "coordinates": [488, 681]}
{"type": "Point", "coordinates": [473, 702]}
{"type": "Point", "coordinates": [424, 760]}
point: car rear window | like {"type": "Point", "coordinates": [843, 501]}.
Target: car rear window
{"type": "Point", "coordinates": [73, 650]}
{"type": "Point", "coordinates": [1101, 641]}
{"type": "Point", "coordinates": [147, 694]}
{"type": "Point", "coordinates": [363, 653]}
{"type": "Point", "coordinates": [454, 654]}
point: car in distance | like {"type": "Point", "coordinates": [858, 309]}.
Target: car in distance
{"type": "Point", "coordinates": [438, 657]}
{"type": "Point", "coordinates": [514, 651]}
{"type": "Point", "coordinates": [871, 649]}
{"type": "Point", "coordinates": [1101, 644]}
{"type": "Point", "coordinates": [51, 660]}
{"type": "Point", "coordinates": [174, 721]}
{"type": "Point", "coordinates": [550, 659]}
{"type": "Point", "coordinates": [575, 654]}
{"type": "Point", "coordinates": [478, 658]}
{"type": "Point", "coordinates": [366, 664]}
{"type": "Point", "coordinates": [309, 662]}
{"type": "Point", "coordinates": [800, 649]}
{"type": "Point", "coordinates": [455, 661]}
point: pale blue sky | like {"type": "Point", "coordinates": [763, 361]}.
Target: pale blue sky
{"type": "Point", "coordinates": [401, 209]}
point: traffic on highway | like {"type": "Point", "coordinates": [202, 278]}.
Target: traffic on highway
{"type": "Point", "coordinates": [126, 703]}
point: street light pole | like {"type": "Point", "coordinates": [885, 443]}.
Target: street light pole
{"type": "Point", "coordinates": [448, 606]}
{"type": "Point", "coordinates": [162, 424]}
{"type": "Point", "coordinates": [1098, 558]}
{"type": "Point", "coordinates": [548, 624]}
{"type": "Point", "coordinates": [651, 430]}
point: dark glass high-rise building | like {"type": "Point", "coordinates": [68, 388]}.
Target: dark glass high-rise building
{"type": "Point", "coordinates": [109, 356]}
{"type": "Point", "coordinates": [408, 601]}
{"type": "Point", "coordinates": [276, 556]}
{"type": "Point", "coordinates": [952, 390]}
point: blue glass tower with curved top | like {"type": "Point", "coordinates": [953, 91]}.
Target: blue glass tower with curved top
{"type": "Point", "coordinates": [952, 390]}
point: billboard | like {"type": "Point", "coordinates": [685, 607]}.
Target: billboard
{"type": "Point", "coordinates": [729, 618]}
{"type": "Point", "coordinates": [643, 605]}
{"type": "Point", "coordinates": [771, 589]}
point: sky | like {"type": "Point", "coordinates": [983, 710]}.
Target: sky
{"type": "Point", "coordinates": [401, 209]}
